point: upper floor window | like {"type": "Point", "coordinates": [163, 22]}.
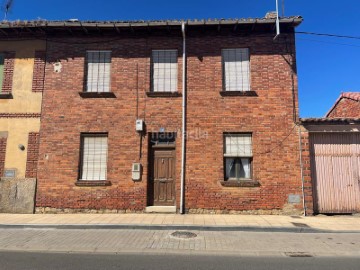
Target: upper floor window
{"type": "Point", "coordinates": [98, 71]}
{"type": "Point", "coordinates": [238, 156]}
{"type": "Point", "coordinates": [164, 71]}
{"type": "Point", "coordinates": [236, 69]}
{"type": "Point", "coordinates": [2, 62]}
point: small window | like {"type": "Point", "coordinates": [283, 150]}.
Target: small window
{"type": "Point", "coordinates": [94, 157]}
{"type": "Point", "coordinates": [236, 69]}
{"type": "Point", "coordinates": [2, 62]}
{"type": "Point", "coordinates": [98, 71]}
{"type": "Point", "coordinates": [238, 157]}
{"type": "Point", "coordinates": [164, 71]}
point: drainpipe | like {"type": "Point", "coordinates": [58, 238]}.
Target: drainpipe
{"type": "Point", "coordinates": [302, 170]}
{"type": "Point", "coordinates": [182, 190]}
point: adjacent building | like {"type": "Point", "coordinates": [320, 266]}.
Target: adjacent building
{"type": "Point", "coordinates": [331, 157]}
{"type": "Point", "coordinates": [22, 66]}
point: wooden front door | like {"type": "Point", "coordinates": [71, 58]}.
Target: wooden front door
{"type": "Point", "coordinates": [163, 178]}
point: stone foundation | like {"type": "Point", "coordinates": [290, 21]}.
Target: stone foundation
{"type": "Point", "coordinates": [50, 210]}
{"type": "Point", "coordinates": [288, 210]}
{"type": "Point", "coordinates": [285, 212]}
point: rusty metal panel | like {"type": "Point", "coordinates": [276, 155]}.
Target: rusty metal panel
{"type": "Point", "coordinates": [335, 161]}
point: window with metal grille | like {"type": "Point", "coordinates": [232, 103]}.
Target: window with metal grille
{"type": "Point", "coordinates": [236, 69]}
{"type": "Point", "coordinates": [164, 71]}
{"type": "Point", "coordinates": [238, 156]}
{"type": "Point", "coordinates": [98, 71]}
{"type": "Point", "coordinates": [94, 156]}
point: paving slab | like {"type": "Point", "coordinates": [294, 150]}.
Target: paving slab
{"type": "Point", "coordinates": [266, 223]}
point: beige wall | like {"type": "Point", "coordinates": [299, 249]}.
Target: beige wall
{"type": "Point", "coordinates": [18, 131]}
{"type": "Point", "coordinates": [24, 101]}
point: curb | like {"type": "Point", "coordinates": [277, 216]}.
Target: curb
{"type": "Point", "coordinates": [171, 227]}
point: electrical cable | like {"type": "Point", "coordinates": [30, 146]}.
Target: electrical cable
{"type": "Point", "coordinates": [326, 35]}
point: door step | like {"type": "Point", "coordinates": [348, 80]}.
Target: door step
{"type": "Point", "coordinates": [160, 209]}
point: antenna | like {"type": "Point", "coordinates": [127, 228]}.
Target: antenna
{"type": "Point", "coordinates": [277, 20]}
{"type": "Point", "coordinates": [7, 7]}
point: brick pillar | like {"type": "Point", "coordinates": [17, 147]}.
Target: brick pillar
{"type": "Point", "coordinates": [39, 71]}
{"type": "Point", "coordinates": [308, 184]}
{"type": "Point", "coordinates": [32, 155]}
{"type": "Point", "coordinates": [3, 141]}
{"type": "Point", "coordinates": [9, 61]}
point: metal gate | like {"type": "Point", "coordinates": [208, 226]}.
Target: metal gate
{"type": "Point", "coordinates": [335, 168]}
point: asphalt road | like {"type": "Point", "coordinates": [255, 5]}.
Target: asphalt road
{"type": "Point", "coordinates": [54, 261]}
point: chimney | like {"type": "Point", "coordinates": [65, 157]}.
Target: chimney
{"type": "Point", "coordinates": [270, 15]}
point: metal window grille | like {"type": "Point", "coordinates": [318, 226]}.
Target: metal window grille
{"type": "Point", "coordinates": [98, 71]}
{"type": "Point", "coordinates": [94, 157]}
{"type": "Point", "coordinates": [164, 70]}
{"type": "Point", "coordinates": [238, 156]}
{"type": "Point", "coordinates": [236, 69]}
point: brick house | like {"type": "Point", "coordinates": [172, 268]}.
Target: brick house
{"type": "Point", "coordinates": [347, 105]}
{"type": "Point", "coordinates": [196, 116]}
{"type": "Point", "coordinates": [331, 158]}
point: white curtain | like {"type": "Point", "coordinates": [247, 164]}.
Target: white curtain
{"type": "Point", "coordinates": [246, 166]}
{"type": "Point", "coordinates": [94, 158]}
{"type": "Point", "coordinates": [98, 71]}
{"type": "Point", "coordinates": [236, 64]}
{"type": "Point", "coordinates": [164, 70]}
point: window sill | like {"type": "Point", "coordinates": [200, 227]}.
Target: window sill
{"type": "Point", "coordinates": [238, 93]}
{"type": "Point", "coordinates": [6, 96]}
{"type": "Point", "coordinates": [163, 94]}
{"type": "Point", "coordinates": [240, 183]}
{"type": "Point", "coordinates": [88, 183]}
{"type": "Point", "coordinates": [97, 95]}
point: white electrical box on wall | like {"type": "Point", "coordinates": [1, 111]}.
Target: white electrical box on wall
{"type": "Point", "coordinates": [136, 171]}
{"type": "Point", "coordinates": [139, 125]}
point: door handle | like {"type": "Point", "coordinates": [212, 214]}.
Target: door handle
{"type": "Point", "coordinates": [162, 181]}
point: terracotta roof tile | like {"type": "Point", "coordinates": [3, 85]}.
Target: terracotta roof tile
{"type": "Point", "coordinates": [351, 95]}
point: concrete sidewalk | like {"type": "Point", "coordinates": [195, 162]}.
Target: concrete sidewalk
{"type": "Point", "coordinates": [265, 223]}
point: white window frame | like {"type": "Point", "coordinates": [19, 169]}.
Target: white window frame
{"type": "Point", "coordinates": [93, 74]}
{"type": "Point", "coordinates": [159, 84]}
{"type": "Point", "coordinates": [87, 165]}
{"type": "Point", "coordinates": [236, 74]}
{"type": "Point", "coordinates": [237, 155]}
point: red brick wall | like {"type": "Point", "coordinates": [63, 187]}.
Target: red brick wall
{"type": "Point", "coordinates": [269, 116]}
{"type": "Point", "coordinates": [9, 62]}
{"type": "Point", "coordinates": [346, 108]}
{"type": "Point", "coordinates": [2, 155]}
{"type": "Point", "coordinates": [39, 71]}
{"type": "Point", "coordinates": [32, 155]}
{"type": "Point", "coordinates": [306, 162]}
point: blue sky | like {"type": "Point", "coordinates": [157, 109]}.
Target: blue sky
{"type": "Point", "coordinates": [326, 66]}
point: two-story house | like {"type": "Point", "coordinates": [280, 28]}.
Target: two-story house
{"type": "Point", "coordinates": [194, 116]}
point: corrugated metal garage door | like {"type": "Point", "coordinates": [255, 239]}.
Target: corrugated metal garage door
{"type": "Point", "coordinates": [335, 161]}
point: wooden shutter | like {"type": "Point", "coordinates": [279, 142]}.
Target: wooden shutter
{"type": "Point", "coordinates": [238, 145]}
{"type": "Point", "coordinates": [94, 163]}
{"type": "Point", "coordinates": [236, 68]}
{"type": "Point", "coordinates": [98, 71]}
{"type": "Point", "coordinates": [164, 70]}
